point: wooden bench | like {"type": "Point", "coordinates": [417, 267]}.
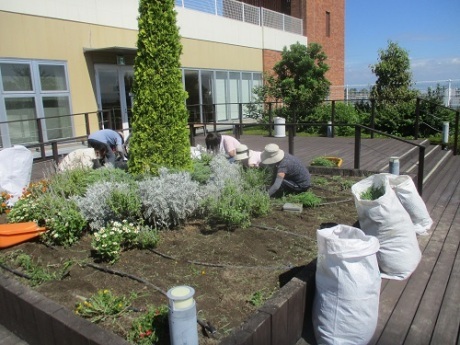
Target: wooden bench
{"type": "Point", "coordinates": [198, 126]}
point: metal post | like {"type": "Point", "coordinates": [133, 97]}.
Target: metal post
{"type": "Point", "coordinates": [54, 147]}
{"type": "Point", "coordinates": [421, 168]}
{"type": "Point", "coordinates": [270, 119]}
{"type": "Point", "coordinates": [240, 118]}
{"type": "Point", "coordinates": [417, 118]}
{"type": "Point", "coordinates": [457, 115]}
{"type": "Point", "coordinates": [332, 120]}
{"type": "Point", "coordinates": [291, 138]}
{"type": "Point", "coordinates": [40, 138]}
{"type": "Point", "coordinates": [372, 117]}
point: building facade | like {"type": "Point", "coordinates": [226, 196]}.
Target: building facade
{"type": "Point", "coordinates": [61, 57]}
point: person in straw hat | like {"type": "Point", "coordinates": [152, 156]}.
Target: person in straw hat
{"type": "Point", "coordinates": [291, 175]}
{"type": "Point", "coordinates": [246, 157]}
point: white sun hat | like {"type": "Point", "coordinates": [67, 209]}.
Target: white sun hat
{"type": "Point", "coordinates": [242, 152]}
{"type": "Point", "coordinates": [272, 154]}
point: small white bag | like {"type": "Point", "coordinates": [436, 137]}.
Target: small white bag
{"type": "Point", "coordinates": [407, 193]}
{"type": "Point", "coordinates": [387, 219]}
{"type": "Point", "coordinates": [346, 302]}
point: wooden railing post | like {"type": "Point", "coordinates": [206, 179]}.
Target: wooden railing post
{"type": "Point", "coordinates": [357, 146]}
{"type": "Point", "coordinates": [417, 118]}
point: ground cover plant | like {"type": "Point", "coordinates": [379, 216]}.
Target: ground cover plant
{"type": "Point", "coordinates": [234, 260]}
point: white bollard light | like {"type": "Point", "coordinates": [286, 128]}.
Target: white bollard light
{"type": "Point", "coordinates": [445, 135]}
{"type": "Point", "coordinates": [182, 316]}
{"type": "Point", "coordinates": [394, 165]}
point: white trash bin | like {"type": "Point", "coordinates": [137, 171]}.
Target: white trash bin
{"type": "Point", "coordinates": [280, 128]}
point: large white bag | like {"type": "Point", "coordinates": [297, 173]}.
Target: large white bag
{"type": "Point", "coordinates": [407, 193]}
{"type": "Point", "coordinates": [346, 302]}
{"type": "Point", "coordinates": [387, 219]}
{"type": "Point", "coordinates": [15, 171]}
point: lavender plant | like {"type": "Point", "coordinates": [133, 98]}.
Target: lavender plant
{"type": "Point", "coordinates": [169, 199]}
{"type": "Point", "coordinates": [109, 201]}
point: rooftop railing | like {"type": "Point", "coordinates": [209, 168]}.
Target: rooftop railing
{"type": "Point", "coordinates": [245, 13]}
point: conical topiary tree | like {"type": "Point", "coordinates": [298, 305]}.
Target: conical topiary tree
{"type": "Point", "coordinates": [159, 125]}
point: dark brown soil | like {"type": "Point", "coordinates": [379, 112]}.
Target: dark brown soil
{"type": "Point", "coordinates": [224, 267]}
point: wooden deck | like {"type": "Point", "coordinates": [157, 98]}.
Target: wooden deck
{"type": "Point", "coordinates": [423, 309]}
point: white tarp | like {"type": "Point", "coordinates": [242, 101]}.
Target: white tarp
{"type": "Point", "coordinates": [15, 170]}
{"type": "Point", "coordinates": [346, 302]}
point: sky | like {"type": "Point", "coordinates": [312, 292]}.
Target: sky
{"type": "Point", "coordinates": [429, 30]}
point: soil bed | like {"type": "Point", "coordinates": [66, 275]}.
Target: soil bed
{"type": "Point", "coordinates": [227, 269]}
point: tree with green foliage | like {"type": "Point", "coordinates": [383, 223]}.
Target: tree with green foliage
{"type": "Point", "coordinates": [299, 80]}
{"type": "Point", "coordinates": [392, 92]}
{"type": "Point", "coordinates": [433, 112]}
{"type": "Point", "coordinates": [159, 127]}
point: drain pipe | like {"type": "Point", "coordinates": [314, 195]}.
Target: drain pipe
{"type": "Point", "coordinates": [394, 165]}
{"type": "Point", "coordinates": [182, 316]}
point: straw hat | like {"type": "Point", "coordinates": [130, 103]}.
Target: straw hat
{"type": "Point", "coordinates": [242, 152]}
{"type": "Point", "coordinates": [272, 154]}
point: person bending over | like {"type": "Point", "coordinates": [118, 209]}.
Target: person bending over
{"type": "Point", "coordinates": [290, 175]}
{"type": "Point", "coordinates": [248, 158]}
{"type": "Point", "coordinates": [106, 139]}
{"type": "Point", "coordinates": [225, 144]}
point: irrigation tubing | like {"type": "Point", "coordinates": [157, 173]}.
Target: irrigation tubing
{"type": "Point", "coordinates": [199, 263]}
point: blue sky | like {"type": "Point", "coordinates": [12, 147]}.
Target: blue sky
{"type": "Point", "coordinates": [428, 29]}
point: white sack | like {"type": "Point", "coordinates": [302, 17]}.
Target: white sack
{"type": "Point", "coordinates": [80, 158]}
{"type": "Point", "coordinates": [407, 193]}
{"type": "Point", "coordinates": [15, 171]}
{"type": "Point", "coordinates": [346, 302]}
{"type": "Point", "coordinates": [387, 219]}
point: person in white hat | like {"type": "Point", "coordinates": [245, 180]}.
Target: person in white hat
{"type": "Point", "coordinates": [292, 176]}
{"type": "Point", "coordinates": [248, 158]}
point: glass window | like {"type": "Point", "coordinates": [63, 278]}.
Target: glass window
{"type": "Point", "coordinates": [192, 87]}
{"type": "Point", "coordinates": [206, 94]}
{"type": "Point", "coordinates": [25, 87]}
{"type": "Point", "coordinates": [221, 98]}
{"type": "Point", "coordinates": [52, 78]}
{"type": "Point", "coordinates": [23, 128]}
{"type": "Point", "coordinates": [16, 77]}
{"type": "Point", "coordinates": [234, 95]}
{"type": "Point", "coordinates": [57, 125]}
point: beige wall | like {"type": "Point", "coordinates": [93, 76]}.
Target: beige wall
{"type": "Point", "coordinates": [33, 37]}
{"type": "Point", "coordinates": [29, 37]}
{"type": "Point", "coordinates": [212, 55]}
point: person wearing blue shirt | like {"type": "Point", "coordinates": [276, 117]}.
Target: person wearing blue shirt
{"type": "Point", "coordinates": [106, 141]}
{"type": "Point", "coordinates": [291, 176]}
